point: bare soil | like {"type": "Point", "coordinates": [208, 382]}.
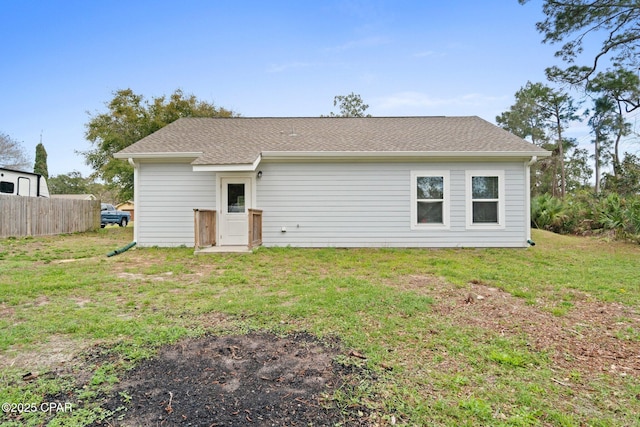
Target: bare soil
{"type": "Point", "coordinates": [592, 337]}
{"type": "Point", "coordinates": [257, 379]}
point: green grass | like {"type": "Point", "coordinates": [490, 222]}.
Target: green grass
{"type": "Point", "coordinates": [63, 292]}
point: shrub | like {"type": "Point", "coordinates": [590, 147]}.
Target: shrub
{"type": "Point", "coordinates": [548, 213]}
{"type": "Point", "coordinates": [584, 212]}
{"type": "Point", "coordinates": [612, 215]}
{"type": "Point", "coordinates": [632, 218]}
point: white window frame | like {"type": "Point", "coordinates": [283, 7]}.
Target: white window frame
{"type": "Point", "coordinates": [444, 174]}
{"type": "Point", "coordinates": [501, 199]}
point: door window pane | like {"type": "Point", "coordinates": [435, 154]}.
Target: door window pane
{"type": "Point", "coordinates": [235, 198]}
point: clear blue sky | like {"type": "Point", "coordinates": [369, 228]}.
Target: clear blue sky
{"type": "Point", "coordinates": [62, 60]}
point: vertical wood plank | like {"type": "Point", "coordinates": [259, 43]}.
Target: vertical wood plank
{"type": "Point", "coordinates": [38, 216]}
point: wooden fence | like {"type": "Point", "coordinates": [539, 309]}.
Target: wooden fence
{"type": "Point", "coordinates": [255, 228]}
{"type": "Point", "coordinates": [204, 221]}
{"type": "Point", "coordinates": [39, 216]}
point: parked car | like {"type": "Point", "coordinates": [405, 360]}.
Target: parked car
{"type": "Point", "coordinates": [110, 215]}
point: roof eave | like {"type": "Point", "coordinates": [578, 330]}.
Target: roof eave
{"type": "Point", "coordinates": [236, 167]}
{"type": "Point", "coordinates": [158, 155]}
{"type": "Point", "coordinates": [295, 155]}
{"type": "Point", "coordinates": [331, 155]}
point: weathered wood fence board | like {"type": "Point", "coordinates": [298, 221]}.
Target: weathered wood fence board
{"type": "Point", "coordinates": [38, 216]}
{"type": "Point", "coordinates": [205, 227]}
{"type": "Point", "coordinates": [255, 228]}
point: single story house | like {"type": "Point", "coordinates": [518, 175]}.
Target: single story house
{"type": "Point", "coordinates": [128, 206]}
{"type": "Point", "coordinates": [333, 181]}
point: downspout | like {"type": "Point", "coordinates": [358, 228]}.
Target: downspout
{"type": "Point", "coordinates": [135, 196]}
{"type": "Point", "coordinates": [527, 190]}
{"type": "Point", "coordinates": [123, 249]}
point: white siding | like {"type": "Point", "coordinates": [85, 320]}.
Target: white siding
{"type": "Point", "coordinates": [369, 204]}
{"type": "Point", "coordinates": [168, 193]}
{"type": "Point", "coordinates": [328, 204]}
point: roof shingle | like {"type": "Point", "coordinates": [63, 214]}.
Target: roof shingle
{"type": "Point", "coordinates": [227, 141]}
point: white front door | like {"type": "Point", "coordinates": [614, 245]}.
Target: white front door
{"type": "Point", "coordinates": [234, 216]}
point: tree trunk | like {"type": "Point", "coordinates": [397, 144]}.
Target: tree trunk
{"type": "Point", "coordinates": [597, 162]}
{"type": "Point", "coordinates": [616, 156]}
{"type": "Point", "coordinates": [560, 153]}
{"type": "Point", "coordinates": [616, 145]}
{"type": "Point", "coordinates": [554, 179]}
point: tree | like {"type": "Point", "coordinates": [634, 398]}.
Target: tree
{"type": "Point", "coordinates": [579, 172]}
{"type": "Point", "coordinates": [350, 106]}
{"type": "Point", "coordinates": [40, 165]}
{"type": "Point", "coordinates": [75, 183]}
{"type": "Point", "coordinates": [602, 120]}
{"type": "Point", "coordinates": [542, 114]}
{"type": "Point", "coordinates": [71, 183]}
{"type": "Point", "coordinates": [562, 110]}
{"type": "Point", "coordinates": [12, 154]}
{"type": "Point", "coordinates": [572, 22]}
{"type": "Point", "coordinates": [628, 180]}
{"type": "Point", "coordinates": [130, 118]}
{"type": "Point", "coordinates": [616, 87]}
{"type": "Point", "coordinates": [526, 118]}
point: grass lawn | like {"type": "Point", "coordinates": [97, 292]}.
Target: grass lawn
{"type": "Point", "coordinates": [548, 335]}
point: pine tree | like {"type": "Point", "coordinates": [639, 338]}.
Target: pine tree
{"type": "Point", "coordinates": [40, 166]}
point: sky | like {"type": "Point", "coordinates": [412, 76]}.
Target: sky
{"type": "Point", "coordinates": [62, 61]}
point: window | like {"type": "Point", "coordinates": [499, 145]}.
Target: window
{"type": "Point", "coordinates": [235, 198]}
{"type": "Point", "coordinates": [485, 199]}
{"type": "Point", "coordinates": [430, 199]}
{"type": "Point", "coordinates": [6, 187]}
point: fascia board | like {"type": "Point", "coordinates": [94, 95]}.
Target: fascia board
{"type": "Point", "coordinates": [350, 155]}
{"type": "Point", "coordinates": [159, 155]}
{"type": "Point", "coordinates": [241, 167]}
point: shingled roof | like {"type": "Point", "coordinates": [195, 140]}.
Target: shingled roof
{"type": "Point", "coordinates": [238, 141]}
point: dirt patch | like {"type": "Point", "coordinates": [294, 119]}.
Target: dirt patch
{"type": "Point", "coordinates": [256, 379]}
{"type": "Point", "coordinates": [591, 338]}
{"type": "Point", "coordinates": [55, 352]}
{"type": "Point", "coordinates": [6, 311]}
